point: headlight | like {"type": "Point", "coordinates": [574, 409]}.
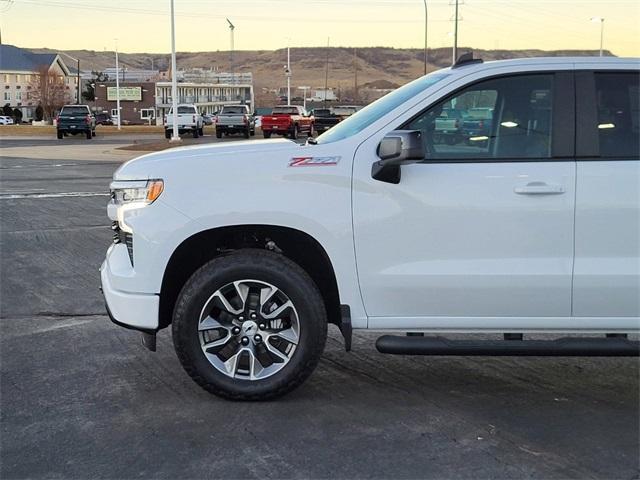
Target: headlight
{"type": "Point", "coordinates": [127, 196]}
{"type": "Point", "coordinates": [137, 191]}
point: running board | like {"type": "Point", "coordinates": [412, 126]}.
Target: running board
{"type": "Point", "coordinates": [562, 347]}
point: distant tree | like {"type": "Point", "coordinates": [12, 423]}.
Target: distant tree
{"type": "Point", "coordinates": [17, 115]}
{"type": "Point", "coordinates": [48, 89]}
{"type": "Point", "coordinates": [7, 111]}
{"type": "Point", "coordinates": [89, 94]}
{"type": "Point", "coordinates": [39, 113]}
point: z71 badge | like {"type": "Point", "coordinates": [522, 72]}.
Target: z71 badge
{"type": "Point", "coordinates": [313, 161]}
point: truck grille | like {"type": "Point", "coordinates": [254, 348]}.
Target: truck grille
{"type": "Point", "coordinates": [123, 237]}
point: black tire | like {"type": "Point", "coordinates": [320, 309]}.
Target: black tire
{"type": "Point", "coordinates": [201, 131]}
{"type": "Point", "coordinates": [218, 134]}
{"type": "Point", "coordinates": [252, 132]}
{"type": "Point", "coordinates": [294, 132]}
{"type": "Point", "coordinates": [266, 134]}
{"type": "Point", "coordinates": [311, 130]}
{"type": "Point", "coordinates": [195, 133]}
{"type": "Point", "coordinates": [93, 133]}
{"type": "Point", "coordinates": [261, 265]}
{"type": "Point", "coordinates": [167, 133]}
{"type": "Point", "coordinates": [247, 132]}
{"type": "Point", "coordinates": [88, 135]}
{"type": "Point", "coordinates": [59, 134]}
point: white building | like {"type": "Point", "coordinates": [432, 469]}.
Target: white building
{"type": "Point", "coordinates": [207, 96]}
{"type": "Point", "coordinates": [19, 78]}
{"type": "Point", "coordinates": [322, 94]}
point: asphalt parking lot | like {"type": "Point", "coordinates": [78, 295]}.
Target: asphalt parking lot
{"type": "Point", "coordinates": [81, 398]}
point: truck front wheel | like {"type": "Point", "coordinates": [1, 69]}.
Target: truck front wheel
{"type": "Point", "coordinates": [88, 134]}
{"type": "Point", "coordinates": [294, 132]}
{"type": "Point", "coordinates": [250, 325]}
{"type": "Point", "coordinates": [60, 134]}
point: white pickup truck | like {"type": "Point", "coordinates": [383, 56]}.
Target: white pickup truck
{"type": "Point", "coordinates": [249, 250]}
{"type": "Point", "coordinates": [189, 121]}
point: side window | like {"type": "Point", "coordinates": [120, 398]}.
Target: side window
{"type": "Point", "coordinates": [618, 102]}
{"type": "Point", "coordinates": [503, 118]}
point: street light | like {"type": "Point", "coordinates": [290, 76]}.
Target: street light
{"type": "Point", "coordinates": [425, 36]}
{"type": "Point", "coordinates": [601, 20]}
{"type": "Point", "coordinates": [304, 96]}
{"type": "Point", "coordinates": [174, 78]}
{"type": "Point", "coordinates": [117, 87]}
{"type": "Point", "coordinates": [287, 73]}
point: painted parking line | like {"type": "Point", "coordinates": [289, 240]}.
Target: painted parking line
{"type": "Point", "coordinates": [13, 196]}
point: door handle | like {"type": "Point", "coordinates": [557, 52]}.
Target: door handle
{"type": "Point", "coordinates": [539, 188]}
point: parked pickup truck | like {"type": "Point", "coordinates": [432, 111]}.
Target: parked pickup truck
{"type": "Point", "coordinates": [289, 120]}
{"type": "Point", "coordinates": [74, 120]}
{"type": "Point", "coordinates": [189, 121]}
{"type": "Point", "coordinates": [324, 119]}
{"type": "Point", "coordinates": [249, 251]}
{"type": "Point", "coordinates": [235, 119]}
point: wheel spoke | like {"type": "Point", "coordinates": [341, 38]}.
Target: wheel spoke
{"type": "Point", "coordinates": [210, 323]}
{"type": "Point", "coordinates": [276, 352]}
{"type": "Point", "coordinates": [225, 303]}
{"type": "Point", "coordinates": [255, 367]}
{"type": "Point", "coordinates": [218, 342]}
{"type": "Point", "coordinates": [265, 294]}
{"type": "Point", "coordinates": [243, 293]}
{"type": "Point", "coordinates": [231, 365]}
{"type": "Point", "coordinates": [289, 335]}
{"type": "Point", "coordinates": [278, 311]}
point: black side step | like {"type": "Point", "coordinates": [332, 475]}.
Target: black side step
{"type": "Point", "coordinates": [562, 347]}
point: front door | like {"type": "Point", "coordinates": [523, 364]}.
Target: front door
{"type": "Point", "coordinates": [484, 226]}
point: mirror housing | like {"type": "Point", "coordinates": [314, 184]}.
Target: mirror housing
{"type": "Point", "coordinates": [399, 147]}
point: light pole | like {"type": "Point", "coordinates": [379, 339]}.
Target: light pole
{"type": "Point", "coordinates": [232, 28]}
{"type": "Point", "coordinates": [601, 20]}
{"type": "Point", "coordinates": [117, 87]}
{"type": "Point", "coordinates": [287, 73]}
{"type": "Point", "coordinates": [455, 35]}
{"type": "Point", "coordinates": [304, 96]}
{"type": "Point", "coordinates": [425, 36]}
{"type": "Point", "coordinates": [174, 79]}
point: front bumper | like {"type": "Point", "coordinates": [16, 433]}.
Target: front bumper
{"type": "Point", "coordinates": [132, 310]}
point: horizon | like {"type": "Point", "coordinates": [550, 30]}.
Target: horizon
{"type": "Point", "coordinates": [143, 27]}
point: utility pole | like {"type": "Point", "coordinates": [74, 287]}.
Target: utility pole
{"type": "Point", "coordinates": [118, 86]}
{"type": "Point", "coordinates": [455, 35]}
{"type": "Point", "coordinates": [326, 75]}
{"type": "Point", "coordinates": [355, 79]}
{"type": "Point", "coordinates": [425, 36]}
{"type": "Point", "coordinates": [288, 74]}
{"type": "Point", "coordinates": [231, 30]}
{"type": "Point", "coordinates": [601, 20]}
{"type": "Point", "coordinates": [174, 79]}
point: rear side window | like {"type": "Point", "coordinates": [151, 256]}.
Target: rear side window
{"type": "Point", "coordinates": [618, 103]}
{"type": "Point", "coordinates": [185, 110]}
{"type": "Point", "coordinates": [234, 110]}
{"type": "Point", "coordinates": [502, 118]}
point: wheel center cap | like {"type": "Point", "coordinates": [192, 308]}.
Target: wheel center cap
{"type": "Point", "coordinates": [249, 328]}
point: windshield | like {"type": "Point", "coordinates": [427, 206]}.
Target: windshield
{"type": "Point", "coordinates": [376, 110]}
{"type": "Point", "coordinates": [74, 111]}
{"type": "Point", "coordinates": [284, 111]}
{"type": "Point", "coordinates": [184, 110]}
{"type": "Point", "coordinates": [233, 110]}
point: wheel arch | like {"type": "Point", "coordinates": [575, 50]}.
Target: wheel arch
{"type": "Point", "coordinates": [203, 246]}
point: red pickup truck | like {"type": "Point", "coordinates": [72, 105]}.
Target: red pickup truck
{"type": "Point", "coordinates": [288, 120]}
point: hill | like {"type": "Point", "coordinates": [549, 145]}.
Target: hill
{"type": "Point", "coordinates": [377, 66]}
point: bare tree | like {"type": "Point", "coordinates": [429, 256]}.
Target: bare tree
{"type": "Point", "coordinates": [48, 90]}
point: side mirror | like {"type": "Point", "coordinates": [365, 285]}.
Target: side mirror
{"type": "Point", "coordinates": [399, 147]}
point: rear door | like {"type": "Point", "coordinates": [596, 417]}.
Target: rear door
{"type": "Point", "coordinates": [607, 251]}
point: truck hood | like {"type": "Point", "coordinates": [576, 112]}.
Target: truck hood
{"type": "Point", "coordinates": [155, 165]}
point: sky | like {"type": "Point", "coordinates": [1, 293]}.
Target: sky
{"type": "Point", "coordinates": [144, 25]}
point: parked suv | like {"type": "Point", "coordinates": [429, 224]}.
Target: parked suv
{"type": "Point", "coordinates": [249, 251]}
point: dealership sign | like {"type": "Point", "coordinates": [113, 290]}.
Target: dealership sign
{"type": "Point", "coordinates": [126, 94]}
